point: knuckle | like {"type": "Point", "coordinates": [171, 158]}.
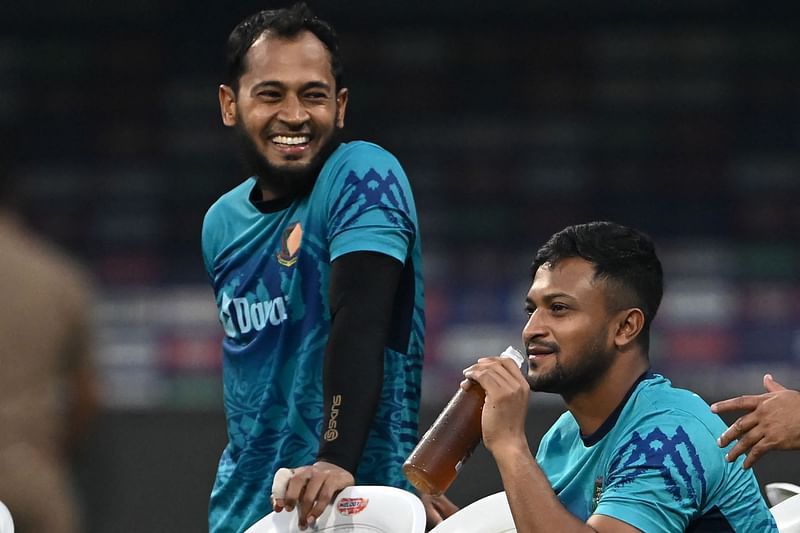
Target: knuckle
{"type": "Point", "coordinates": [319, 507]}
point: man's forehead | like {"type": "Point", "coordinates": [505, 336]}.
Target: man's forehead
{"type": "Point", "coordinates": [274, 52]}
{"type": "Point", "coordinates": [572, 267]}
{"type": "Point", "coordinates": [268, 36]}
{"type": "Point", "coordinates": [565, 275]}
{"type": "Point", "coordinates": [268, 43]}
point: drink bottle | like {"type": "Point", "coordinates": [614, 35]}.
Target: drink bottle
{"type": "Point", "coordinates": [439, 455]}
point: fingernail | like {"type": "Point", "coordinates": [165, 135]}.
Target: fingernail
{"type": "Point", "coordinates": [311, 520]}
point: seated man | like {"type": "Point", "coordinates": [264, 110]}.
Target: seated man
{"type": "Point", "coordinates": [632, 453]}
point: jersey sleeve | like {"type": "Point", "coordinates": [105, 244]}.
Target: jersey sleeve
{"type": "Point", "coordinates": [659, 477]}
{"type": "Point", "coordinates": [206, 247]}
{"type": "Point", "coordinates": [371, 207]}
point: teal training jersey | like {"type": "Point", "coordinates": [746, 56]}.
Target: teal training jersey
{"type": "Point", "coordinates": [654, 464]}
{"type": "Point", "coordinates": [270, 276]}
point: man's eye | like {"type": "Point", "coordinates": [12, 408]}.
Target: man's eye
{"type": "Point", "coordinates": [316, 96]}
{"type": "Point", "coordinates": [272, 95]}
{"type": "Point", "coordinates": [558, 308]}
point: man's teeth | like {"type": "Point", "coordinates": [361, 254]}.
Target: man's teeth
{"type": "Point", "coordinates": [282, 139]}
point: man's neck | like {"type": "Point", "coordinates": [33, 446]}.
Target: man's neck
{"type": "Point", "coordinates": [591, 408]}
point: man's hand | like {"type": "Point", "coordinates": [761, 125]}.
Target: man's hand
{"type": "Point", "coordinates": [437, 508]}
{"type": "Point", "coordinates": [507, 391]}
{"type": "Point", "coordinates": [310, 489]}
{"type": "Point", "coordinates": [772, 422]}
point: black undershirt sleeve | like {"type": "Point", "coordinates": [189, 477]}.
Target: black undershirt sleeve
{"type": "Point", "coordinates": [361, 295]}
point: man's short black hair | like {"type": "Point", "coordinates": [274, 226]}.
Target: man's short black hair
{"type": "Point", "coordinates": [285, 22]}
{"type": "Point", "coordinates": [623, 257]}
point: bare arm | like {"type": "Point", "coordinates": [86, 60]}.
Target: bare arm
{"type": "Point", "coordinates": [771, 422]}
{"type": "Point", "coordinates": [534, 505]}
{"type": "Point", "coordinates": [437, 508]}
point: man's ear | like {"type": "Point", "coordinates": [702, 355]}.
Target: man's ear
{"type": "Point", "coordinates": [341, 107]}
{"type": "Point", "coordinates": [629, 325]}
{"type": "Point", "coordinates": [227, 105]}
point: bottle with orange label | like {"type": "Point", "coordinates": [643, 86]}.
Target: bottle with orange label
{"type": "Point", "coordinates": [435, 462]}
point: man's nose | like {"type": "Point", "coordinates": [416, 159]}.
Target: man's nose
{"type": "Point", "coordinates": [293, 111]}
{"type": "Point", "coordinates": [534, 327]}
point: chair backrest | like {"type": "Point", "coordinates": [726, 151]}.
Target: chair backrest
{"type": "Point", "coordinates": [358, 509]}
{"type": "Point", "coordinates": [787, 515]}
{"type": "Point", "coordinates": [487, 515]}
{"type": "Point", "coordinates": [6, 523]}
{"type": "Point", "coordinates": [777, 492]}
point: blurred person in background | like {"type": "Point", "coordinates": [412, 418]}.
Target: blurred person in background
{"type": "Point", "coordinates": [315, 264]}
{"type": "Point", "coordinates": [631, 453]}
{"type": "Point", "coordinates": [772, 422]}
{"type": "Point", "coordinates": [47, 384]}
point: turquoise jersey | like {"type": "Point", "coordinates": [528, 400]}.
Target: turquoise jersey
{"type": "Point", "coordinates": [654, 464]}
{"type": "Point", "coordinates": [270, 276]}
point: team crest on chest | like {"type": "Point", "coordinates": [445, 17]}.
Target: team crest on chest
{"type": "Point", "coordinates": [291, 238]}
{"type": "Point", "coordinates": [597, 492]}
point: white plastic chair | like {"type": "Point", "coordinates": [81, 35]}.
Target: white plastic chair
{"type": "Point", "coordinates": [777, 492]}
{"type": "Point", "coordinates": [358, 509]}
{"type": "Point", "coordinates": [6, 523]}
{"type": "Point", "coordinates": [787, 515]}
{"type": "Point", "coordinates": [490, 514]}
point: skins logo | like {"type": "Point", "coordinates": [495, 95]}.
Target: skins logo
{"type": "Point", "coordinates": [290, 243]}
{"type": "Point", "coordinates": [351, 506]}
{"type": "Point", "coordinates": [332, 433]}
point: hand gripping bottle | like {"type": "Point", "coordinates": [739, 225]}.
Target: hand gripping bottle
{"type": "Point", "coordinates": [439, 455]}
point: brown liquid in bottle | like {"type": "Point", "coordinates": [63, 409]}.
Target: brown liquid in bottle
{"type": "Point", "coordinates": [434, 464]}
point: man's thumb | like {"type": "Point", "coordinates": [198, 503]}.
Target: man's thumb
{"type": "Point", "coordinates": [771, 385]}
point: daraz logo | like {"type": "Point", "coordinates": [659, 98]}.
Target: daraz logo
{"type": "Point", "coordinates": [350, 506]}
{"type": "Point", "coordinates": [239, 316]}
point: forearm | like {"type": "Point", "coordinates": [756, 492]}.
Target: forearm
{"type": "Point", "coordinates": [533, 503]}
{"type": "Point", "coordinates": [352, 386]}
{"type": "Point", "coordinates": [362, 291]}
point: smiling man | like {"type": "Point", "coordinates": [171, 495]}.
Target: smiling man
{"type": "Point", "coordinates": [632, 453]}
{"type": "Point", "coordinates": [315, 264]}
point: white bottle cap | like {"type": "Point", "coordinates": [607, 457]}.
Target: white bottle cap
{"type": "Point", "coordinates": [512, 353]}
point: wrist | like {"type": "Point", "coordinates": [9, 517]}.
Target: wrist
{"type": "Point", "coordinates": [348, 464]}
{"type": "Point", "coordinates": [510, 451]}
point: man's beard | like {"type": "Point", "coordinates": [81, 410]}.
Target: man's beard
{"type": "Point", "coordinates": [589, 369]}
{"type": "Point", "coordinates": [283, 181]}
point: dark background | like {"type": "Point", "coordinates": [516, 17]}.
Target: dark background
{"type": "Point", "coordinates": [512, 120]}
